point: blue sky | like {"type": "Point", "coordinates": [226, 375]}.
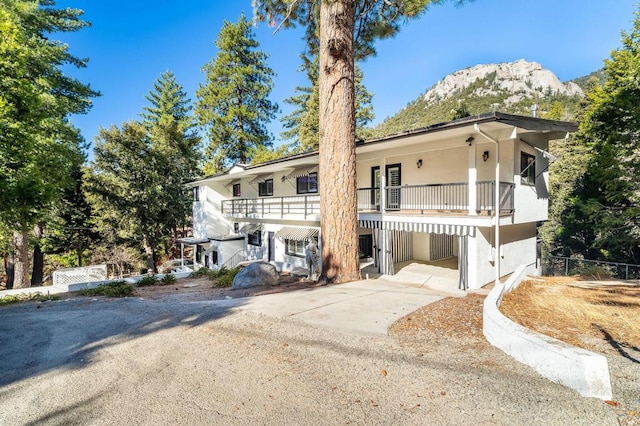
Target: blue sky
{"type": "Point", "coordinates": [131, 42]}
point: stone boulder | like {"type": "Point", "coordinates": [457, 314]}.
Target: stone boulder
{"type": "Point", "coordinates": [256, 274]}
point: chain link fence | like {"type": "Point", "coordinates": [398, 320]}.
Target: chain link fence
{"type": "Point", "coordinates": [556, 265]}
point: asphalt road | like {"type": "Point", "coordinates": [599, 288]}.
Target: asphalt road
{"type": "Point", "coordinates": [170, 362]}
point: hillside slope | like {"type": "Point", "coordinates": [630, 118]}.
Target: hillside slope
{"type": "Point", "coordinates": [508, 87]}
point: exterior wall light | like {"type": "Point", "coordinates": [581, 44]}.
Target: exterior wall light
{"type": "Point", "coordinates": [469, 140]}
{"type": "Point", "coordinates": [419, 163]}
{"type": "Point", "coordinates": [485, 155]}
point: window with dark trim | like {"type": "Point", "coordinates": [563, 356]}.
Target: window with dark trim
{"type": "Point", "coordinates": [196, 193]}
{"type": "Point", "coordinates": [297, 247]}
{"type": "Point", "coordinates": [255, 239]}
{"type": "Point", "coordinates": [527, 169]}
{"type": "Point", "coordinates": [236, 190]}
{"type": "Point", "coordinates": [236, 227]}
{"type": "Point", "coordinates": [265, 188]}
{"type": "Point", "coordinates": [307, 184]}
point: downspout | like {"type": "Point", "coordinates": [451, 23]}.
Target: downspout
{"type": "Point", "coordinates": [496, 201]}
{"type": "Point", "coordinates": [382, 231]}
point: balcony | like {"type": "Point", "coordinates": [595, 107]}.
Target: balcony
{"type": "Point", "coordinates": [300, 206]}
{"type": "Point", "coordinates": [426, 199]}
{"type": "Point", "coordinates": [414, 199]}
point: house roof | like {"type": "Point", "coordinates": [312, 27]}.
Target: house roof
{"type": "Point", "coordinates": [494, 122]}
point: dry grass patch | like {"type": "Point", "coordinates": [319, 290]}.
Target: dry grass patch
{"type": "Point", "coordinates": [582, 313]}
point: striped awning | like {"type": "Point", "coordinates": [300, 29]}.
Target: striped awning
{"type": "Point", "coordinates": [302, 171]}
{"type": "Point", "coordinates": [260, 178]}
{"type": "Point", "coordinates": [250, 228]}
{"type": "Point", "coordinates": [297, 233]}
{"type": "Point", "coordinates": [428, 228]}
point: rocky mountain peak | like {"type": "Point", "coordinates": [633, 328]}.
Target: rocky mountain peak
{"type": "Point", "coordinates": [520, 79]}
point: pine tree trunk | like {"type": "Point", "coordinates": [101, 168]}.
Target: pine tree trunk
{"type": "Point", "coordinates": [148, 249]}
{"type": "Point", "coordinates": [38, 258]}
{"type": "Point", "coordinates": [337, 171]}
{"type": "Point", "coordinates": [8, 269]}
{"type": "Point", "coordinates": [21, 259]}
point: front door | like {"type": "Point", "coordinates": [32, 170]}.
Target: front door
{"type": "Point", "coordinates": [272, 246]}
{"type": "Point", "coordinates": [393, 183]}
{"type": "Point", "coordinates": [375, 188]}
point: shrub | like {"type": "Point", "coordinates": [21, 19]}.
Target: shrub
{"type": "Point", "coordinates": [167, 280]}
{"type": "Point", "coordinates": [202, 272]}
{"type": "Point", "coordinates": [113, 289]}
{"type": "Point", "coordinates": [148, 280]}
{"type": "Point", "coordinates": [37, 296]}
{"type": "Point", "coordinates": [225, 277]}
{"type": "Point", "coordinates": [596, 272]}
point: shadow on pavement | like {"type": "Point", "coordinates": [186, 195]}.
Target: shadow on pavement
{"type": "Point", "coordinates": [39, 337]}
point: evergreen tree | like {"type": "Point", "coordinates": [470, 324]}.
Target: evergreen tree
{"type": "Point", "coordinates": [175, 144]}
{"type": "Point", "coordinates": [39, 147]}
{"type": "Point", "coordinates": [347, 31]}
{"type": "Point", "coordinates": [596, 192]}
{"type": "Point", "coordinates": [135, 184]}
{"type": "Point", "coordinates": [302, 123]}
{"type": "Point", "coordinates": [610, 189]}
{"type": "Point", "coordinates": [125, 189]}
{"type": "Point", "coordinates": [233, 104]}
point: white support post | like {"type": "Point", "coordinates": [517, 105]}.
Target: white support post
{"type": "Point", "coordinates": [473, 180]}
{"type": "Point", "coordinates": [384, 267]}
{"type": "Point", "coordinates": [497, 214]}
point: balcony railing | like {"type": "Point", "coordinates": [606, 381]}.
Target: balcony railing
{"type": "Point", "coordinates": [300, 205]}
{"type": "Point", "coordinates": [436, 197]}
{"type": "Point", "coordinates": [450, 197]}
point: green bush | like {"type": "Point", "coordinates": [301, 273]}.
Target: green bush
{"type": "Point", "coordinates": [147, 280]}
{"type": "Point", "coordinates": [113, 289]}
{"type": "Point", "coordinates": [202, 272]}
{"type": "Point", "coordinates": [167, 280]}
{"type": "Point", "coordinates": [37, 296]}
{"type": "Point", "coordinates": [225, 277]}
{"type": "Point", "coordinates": [596, 272]}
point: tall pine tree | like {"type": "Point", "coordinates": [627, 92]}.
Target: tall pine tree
{"type": "Point", "coordinates": [347, 32]}
{"type": "Point", "coordinates": [135, 184]}
{"type": "Point", "coordinates": [302, 123]}
{"type": "Point", "coordinates": [606, 201]}
{"type": "Point", "coordinates": [233, 104]}
{"type": "Point", "coordinates": [39, 148]}
{"type": "Point", "coordinates": [175, 142]}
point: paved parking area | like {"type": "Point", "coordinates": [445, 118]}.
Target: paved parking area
{"type": "Point", "coordinates": [362, 308]}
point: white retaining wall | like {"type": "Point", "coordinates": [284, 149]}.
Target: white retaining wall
{"type": "Point", "coordinates": [581, 370]}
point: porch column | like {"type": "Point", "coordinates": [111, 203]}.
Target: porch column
{"type": "Point", "coordinates": [473, 179]}
{"type": "Point", "coordinates": [383, 243]}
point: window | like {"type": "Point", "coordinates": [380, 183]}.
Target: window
{"type": "Point", "coordinates": [236, 227]}
{"type": "Point", "coordinates": [527, 169]}
{"type": "Point", "coordinates": [255, 239]}
{"type": "Point", "coordinates": [307, 184]}
{"type": "Point", "coordinates": [295, 247]}
{"type": "Point", "coordinates": [265, 188]}
{"type": "Point", "coordinates": [236, 190]}
{"type": "Point", "coordinates": [365, 245]}
{"type": "Point", "coordinates": [196, 193]}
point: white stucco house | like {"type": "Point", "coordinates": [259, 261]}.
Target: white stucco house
{"type": "Point", "coordinates": [473, 189]}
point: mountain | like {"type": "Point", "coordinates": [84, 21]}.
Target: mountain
{"type": "Point", "coordinates": [507, 87]}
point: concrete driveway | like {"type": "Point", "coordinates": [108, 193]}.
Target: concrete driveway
{"type": "Point", "coordinates": [362, 308]}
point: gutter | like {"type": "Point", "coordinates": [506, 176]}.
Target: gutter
{"type": "Point", "coordinates": [496, 201]}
